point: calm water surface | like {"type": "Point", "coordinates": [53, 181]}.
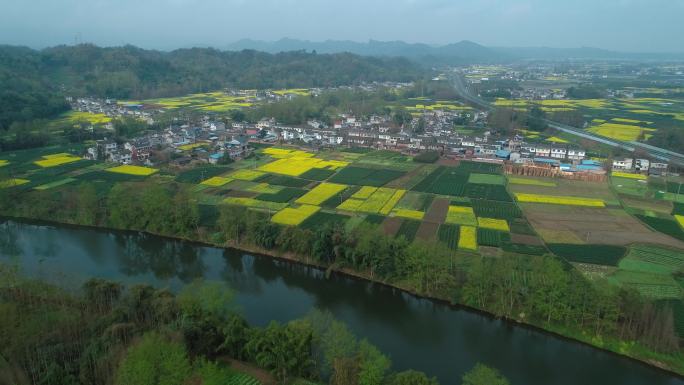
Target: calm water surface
{"type": "Point", "coordinates": [442, 341]}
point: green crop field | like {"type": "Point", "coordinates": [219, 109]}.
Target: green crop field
{"type": "Point", "coordinates": [408, 229]}
{"type": "Point", "coordinates": [494, 238]}
{"type": "Point", "coordinates": [596, 254]}
{"type": "Point", "coordinates": [663, 225]}
{"type": "Point", "coordinates": [496, 209]}
{"type": "Point", "coordinates": [443, 181]}
{"type": "Point", "coordinates": [284, 180]}
{"type": "Point", "coordinates": [198, 174]}
{"type": "Point", "coordinates": [488, 192]}
{"type": "Point", "coordinates": [448, 234]}
{"type": "Point", "coordinates": [487, 179]}
{"type": "Point", "coordinates": [365, 176]}
{"type": "Point", "coordinates": [321, 219]}
{"type": "Point", "coordinates": [658, 286]}
{"type": "Point", "coordinates": [318, 174]}
{"type": "Point", "coordinates": [653, 259]}
{"type": "Point", "coordinates": [285, 195]}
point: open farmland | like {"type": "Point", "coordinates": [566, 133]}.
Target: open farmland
{"type": "Point", "coordinates": [623, 132]}
{"type": "Point", "coordinates": [294, 216]}
{"type": "Point", "coordinates": [207, 102]}
{"type": "Point", "coordinates": [321, 193]}
{"type": "Point", "coordinates": [366, 176]}
{"type": "Point", "coordinates": [133, 170]}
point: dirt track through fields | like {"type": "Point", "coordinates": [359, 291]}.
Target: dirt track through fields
{"type": "Point", "coordinates": [438, 211]}
{"type": "Point", "coordinates": [427, 231]}
{"type": "Point", "coordinates": [391, 226]}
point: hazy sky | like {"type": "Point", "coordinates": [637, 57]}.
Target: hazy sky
{"type": "Point", "coordinates": [627, 25]}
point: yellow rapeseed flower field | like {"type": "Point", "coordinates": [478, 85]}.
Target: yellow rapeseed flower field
{"type": "Point", "coordinates": [293, 217]}
{"type": "Point", "coordinates": [680, 220]}
{"type": "Point", "coordinates": [389, 205]}
{"type": "Point", "coordinates": [245, 174]}
{"type": "Point", "coordinates": [254, 203]}
{"type": "Point", "coordinates": [493, 224]}
{"type": "Point", "coordinates": [461, 215]}
{"type": "Point", "coordinates": [628, 175]}
{"type": "Point", "coordinates": [530, 182]}
{"type": "Point", "coordinates": [216, 181]}
{"type": "Point", "coordinates": [467, 238]}
{"type": "Point", "coordinates": [298, 165]}
{"type": "Point", "coordinates": [321, 193]}
{"type": "Point", "coordinates": [133, 170]}
{"type": "Point", "coordinates": [365, 192]}
{"type": "Point", "coordinates": [373, 200]}
{"type": "Point", "coordinates": [265, 188]}
{"type": "Point", "coordinates": [410, 214]}
{"type": "Point", "coordinates": [624, 132]}
{"type": "Point", "coordinates": [12, 182]}
{"type": "Point", "coordinates": [191, 146]}
{"type": "Point", "coordinates": [56, 160]}
{"type": "Point", "coordinates": [559, 200]}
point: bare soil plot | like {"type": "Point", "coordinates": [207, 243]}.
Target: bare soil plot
{"type": "Point", "coordinates": [593, 225]}
{"type": "Point", "coordinates": [567, 187]}
{"type": "Point", "coordinates": [391, 226]}
{"type": "Point", "coordinates": [427, 231]}
{"type": "Point", "coordinates": [659, 206]}
{"type": "Point", "coordinates": [413, 177]}
{"type": "Point", "coordinates": [523, 239]}
{"type": "Point", "coordinates": [438, 211]}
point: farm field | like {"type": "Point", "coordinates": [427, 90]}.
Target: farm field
{"type": "Point", "coordinates": [633, 119]}
{"type": "Point", "coordinates": [467, 207]}
{"type": "Point", "coordinates": [208, 102]}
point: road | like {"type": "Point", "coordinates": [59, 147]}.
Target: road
{"type": "Point", "coordinates": [463, 89]}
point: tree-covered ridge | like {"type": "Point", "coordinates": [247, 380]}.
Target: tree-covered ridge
{"type": "Point", "coordinates": [131, 72]}
{"type": "Point", "coordinates": [25, 93]}
{"type": "Point", "coordinates": [108, 333]}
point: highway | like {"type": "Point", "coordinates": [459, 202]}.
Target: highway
{"type": "Point", "coordinates": [463, 89]}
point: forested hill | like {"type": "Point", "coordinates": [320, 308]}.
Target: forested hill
{"type": "Point", "coordinates": [31, 79]}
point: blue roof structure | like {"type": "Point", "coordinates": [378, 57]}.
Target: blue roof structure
{"type": "Point", "coordinates": [589, 167]}
{"type": "Point", "coordinates": [502, 154]}
{"type": "Point", "coordinates": [546, 160]}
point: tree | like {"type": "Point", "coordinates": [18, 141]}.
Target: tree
{"type": "Point", "coordinates": [283, 350]}
{"type": "Point", "coordinates": [401, 116]}
{"type": "Point", "coordinates": [483, 375]}
{"type": "Point", "coordinates": [154, 361]}
{"type": "Point", "coordinates": [535, 119]}
{"type": "Point", "coordinates": [236, 333]}
{"type": "Point", "coordinates": [102, 294]}
{"type": "Point", "coordinates": [207, 299]}
{"type": "Point", "coordinates": [372, 364]}
{"type": "Point", "coordinates": [411, 377]}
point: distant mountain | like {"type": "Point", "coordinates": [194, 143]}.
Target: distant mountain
{"type": "Point", "coordinates": [463, 52]}
{"type": "Point", "coordinates": [547, 53]}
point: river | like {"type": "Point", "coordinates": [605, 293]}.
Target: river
{"type": "Point", "coordinates": [421, 334]}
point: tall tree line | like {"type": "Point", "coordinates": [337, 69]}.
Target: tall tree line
{"type": "Point", "coordinates": [106, 333]}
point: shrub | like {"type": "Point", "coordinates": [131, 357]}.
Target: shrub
{"type": "Point", "coordinates": [426, 157]}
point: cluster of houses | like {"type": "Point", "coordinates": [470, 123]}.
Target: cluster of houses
{"type": "Point", "coordinates": [111, 108]}
{"type": "Point", "coordinates": [640, 166]}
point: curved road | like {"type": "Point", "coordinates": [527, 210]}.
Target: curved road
{"type": "Point", "coordinates": [462, 88]}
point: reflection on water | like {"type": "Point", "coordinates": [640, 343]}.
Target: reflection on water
{"type": "Point", "coordinates": [416, 333]}
{"type": "Point", "coordinates": [141, 254]}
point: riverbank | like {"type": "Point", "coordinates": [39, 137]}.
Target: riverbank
{"type": "Point", "coordinates": [632, 351]}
